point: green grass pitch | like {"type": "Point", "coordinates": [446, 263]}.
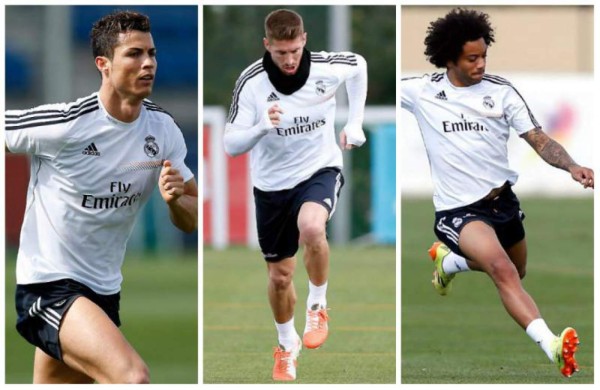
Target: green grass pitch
{"type": "Point", "coordinates": [239, 332]}
{"type": "Point", "coordinates": [159, 312]}
{"type": "Point", "coordinates": [467, 337]}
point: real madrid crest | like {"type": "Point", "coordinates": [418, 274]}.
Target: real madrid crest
{"type": "Point", "coordinates": [488, 102]}
{"type": "Point", "coordinates": [457, 222]}
{"type": "Point", "coordinates": [150, 147]}
{"type": "Point", "coordinates": [320, 88]}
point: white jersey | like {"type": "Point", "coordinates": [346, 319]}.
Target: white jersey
{"type": "Point", "coordinates": [305, 139]}
{"type": "Point", "coordinates": [90, 176]}
{"type": "Point", "coordinates": [465, 131]}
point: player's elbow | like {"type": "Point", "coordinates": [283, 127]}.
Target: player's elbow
{"type": "Point", "coordinates": [230, 151]}
{"type": "Point", "coordinates": [189, 226]}
{"type": "Point", "coordinates": [193, 225]}
{"type": "Point", "coordinates": [231, 148]}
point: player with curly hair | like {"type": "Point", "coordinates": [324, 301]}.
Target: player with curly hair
{"type": "Point", "coordinates": [465, 115]}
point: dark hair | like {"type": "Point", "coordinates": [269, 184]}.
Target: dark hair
{"type": "Point", "coordinates": [283, 25]}
{"type": "Point", "coordinates": [447, 36]}
{"type": "Point", "coordinates": [105, 32]}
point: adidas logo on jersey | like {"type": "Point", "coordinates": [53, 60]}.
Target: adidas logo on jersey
{"type": "Point", "coordinates": [91, 150]}
{"type": "Point", "coordinates": [272, 97]}
{"type": "Point", "coordinates": [441, 96]}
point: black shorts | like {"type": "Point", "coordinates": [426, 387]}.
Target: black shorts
{"type": "Point", "coordinates": [277, 211]}
{"type": "Point", "coordinates": [503, 213]}
{"type": "Point", "coordinates": [41, 307]}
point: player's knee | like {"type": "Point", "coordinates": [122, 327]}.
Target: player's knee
{"type": "Point", "coordinates": [138, 374]}
{"type": "Point", "coordinates": [141, 375]}
{"type": "Point", "coordinates": [503, 271]}
{"type": "Point", "coordinates": [311, 232]}
{"type": "Point", "coordinates": [280, 278]}
{"type": "Point", "coordinates": [132, 370]}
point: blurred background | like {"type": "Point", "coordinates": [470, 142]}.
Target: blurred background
{"type": "Point", "coordinates": [362, 232]}
{"type": "Point", "coordinates": [546, 53]}
{"type": "Point", "coordinates": [49, 60]}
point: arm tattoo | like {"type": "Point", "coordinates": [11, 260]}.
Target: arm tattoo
{"type": "Point", "coordinates": [548, 149]}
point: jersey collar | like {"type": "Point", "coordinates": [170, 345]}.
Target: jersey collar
{"type": "Point", "coordinates": [117, 122]}
{"type": "Point", "coordinates": [470, 88]}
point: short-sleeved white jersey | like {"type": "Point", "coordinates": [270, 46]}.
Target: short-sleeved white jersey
{"type": "Point", "coordinates": [90, 176]}
{"type": "Point", "coordinates": [465, 131]}
{"type": "Point", "coordinates": [305, 139]}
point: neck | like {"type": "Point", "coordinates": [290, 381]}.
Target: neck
{"type": "Point", "coordinates": [457, 81]}
{"type": "Point", "coordinates": [123, 109]}
{"type": "Point", "coordinates": [287, 84]}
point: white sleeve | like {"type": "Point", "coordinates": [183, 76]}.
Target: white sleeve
{"type": "Point", "coordinates": [177, 153]}
{"type": "Point", "coordinates": [37, 131]}
{"type": "Point", "coordinates": [245, 127]}
{"type": "Point", "coordinates": [410, 89]}
{"type": "Point", "coordinates": [240, 139]}
{"type": "Point", "coordinates": [356, 87]}
{"type": "Point", "coordinates": [518, 114]}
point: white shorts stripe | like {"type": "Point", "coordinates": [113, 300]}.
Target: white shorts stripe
{"type": "Point", "coordinates": [50, 321]}
{"type": "Point", "coordinates": [338, 184]}
{"type": "Point", "coordinates": [451, 234]}
{"type": "Point", "coordinates": [53, 313]}
{"type": "Point", "coordinates": [36, 311]}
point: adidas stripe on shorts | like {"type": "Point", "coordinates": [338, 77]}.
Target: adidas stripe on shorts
{"type": "Point", "coordinates": [277, 211]}
{"type": "Point", "coordinates": [41, 307]}
{"type": "Point", "coordinates": [503, 214]}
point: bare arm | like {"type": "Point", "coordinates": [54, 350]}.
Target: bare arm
{"type": "Point", "coordinates": [182, 198]}
{"type": "Point", "coordinates": [554, 154]}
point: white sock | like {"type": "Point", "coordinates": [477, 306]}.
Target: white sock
{"type": "Point", "coordinates": [454, 263]}
{"type": "Point", "coordinates": [541, 334]}
{"type": "Point", "coordinates": [286, 334]}
{"type": "Point", "coordinates": [316, 295]}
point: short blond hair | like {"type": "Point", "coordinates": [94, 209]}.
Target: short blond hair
{"type": "Point", "coordinates": [283, 25]}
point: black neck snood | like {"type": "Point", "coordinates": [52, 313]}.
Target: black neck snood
{"type": "Point", "coordinates": [287, 84]}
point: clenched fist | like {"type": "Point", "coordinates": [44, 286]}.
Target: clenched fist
{"type": "Point", "coordinates": [170, 182]}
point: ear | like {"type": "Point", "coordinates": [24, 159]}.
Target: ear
{"type": "Point", "coordinates": [103, 65]}
{"type": "Point", "coordinates": [266, 44]}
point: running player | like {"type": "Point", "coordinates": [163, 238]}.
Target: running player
{"type": "Point", "coordinates": [94, 163]}
{"type": "Point", "coordinates": [283, 111]}
{"type": "Point", "coordinates": [464, 116]}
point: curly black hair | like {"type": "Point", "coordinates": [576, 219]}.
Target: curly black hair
{"type": "Point", "coordinates": [447, 36]}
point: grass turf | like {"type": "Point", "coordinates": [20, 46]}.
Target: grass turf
{"type": "Point", "coordinates": [239, 332]}
{"type": "Point", "coordinates": [467, 337]}
{"type": "Point", "coordinates": [159, 312]}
